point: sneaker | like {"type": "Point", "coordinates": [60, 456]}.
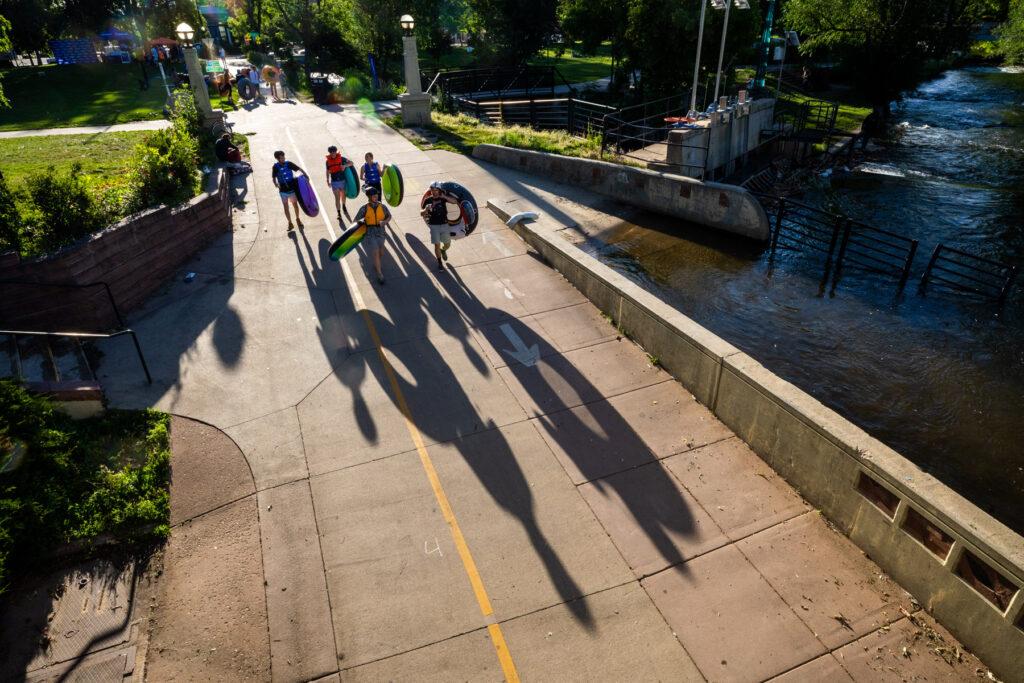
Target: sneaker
{"type": "Point", "coordinates": [290, 226]}
{"type": "Point", "coordinates": [301, 226]}
{"type": "Point", "coordinates": [444, 252]}
{"type": "Point", "coordinates": [380, 280]}
{"type": "Point", "coordinates": [339, 216]}
{"type": "Point", "coordinates": [440, 265]}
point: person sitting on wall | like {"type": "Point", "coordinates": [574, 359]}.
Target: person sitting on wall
{"type": "Point", "coordinates": [227, 152]}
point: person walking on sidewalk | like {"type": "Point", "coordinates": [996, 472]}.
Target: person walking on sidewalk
{"type": "Point", "coordinates": [435, 213]}
{"type": "Point", "coordinates": [371, 172]}
{"type": "Point", "coordinates": [283, 174]}
{"type": "Point", "coordinates": [336, 165]}
{"type": "Point", "coordinates": [375, 216]}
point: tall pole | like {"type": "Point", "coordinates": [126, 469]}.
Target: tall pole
{"type": "Point", "coordinates": [766, 43]}
{"type": "Point", "coordinates": [782, 67]}
{"type": "Point", "coordinates": [696, 60]}
{"type": "Point", "coordinates": [721, 52]}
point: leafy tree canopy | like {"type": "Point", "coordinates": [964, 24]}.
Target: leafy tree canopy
{"type": "Point", "coordinates": [1011, 34]}
{"type": "Point", "coordinates": [886, 45]}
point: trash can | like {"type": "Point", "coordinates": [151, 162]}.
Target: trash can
{"type": "Point", "coordinates": [320, 87]}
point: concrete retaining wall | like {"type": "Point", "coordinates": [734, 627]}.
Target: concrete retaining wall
{"type": "Point", "coordinates": [962, 565]}
{"type": "Point", "coordinates": [134, 257]}
{"type": "Point", "coordinates": [727, 136]}
{"type": "Point", "coordinates": [715, 205]}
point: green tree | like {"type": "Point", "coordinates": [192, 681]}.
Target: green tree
{"type": "Point", "coordinates": [516, 29]}
{"type": "Point", "coordinates": [29, 22]}
{"type": "Point", "coordinates": [5, 46]}
{"type": "Point", "coordinates": [1011, 34]}
{"type": "Point", "coordinates": [885, 45]}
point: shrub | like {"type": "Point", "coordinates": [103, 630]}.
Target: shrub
{"type": "Point", "coordinates": [62, 209]}
{"type": "Point", "coordinates": [10, 219]}
{"type": "Point", "coordinates": [79, 479]}
{"type": "Point", "coordinates": [164, 168]}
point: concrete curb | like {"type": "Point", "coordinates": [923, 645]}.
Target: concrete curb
{"type": "Point", "coordinates": [716, 205]}
{"type": "Point", "coordinates": [964, 566]}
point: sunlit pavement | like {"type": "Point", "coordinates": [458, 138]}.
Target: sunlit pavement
{"type": "Point", "coordinates": [470, 474]}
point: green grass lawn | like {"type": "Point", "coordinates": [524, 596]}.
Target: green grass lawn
{"type": "Point", "coordinates": [104, 156]}
{"type": "Point", "coordinates": [79, 95]}
{"type": "Point", "coordinates": [574, 69]}
{"type": "Point", "coordinates": [578, 69]}
{"type": "Point", "coordinates": [460, 133]}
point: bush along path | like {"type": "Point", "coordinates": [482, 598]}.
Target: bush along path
{"type": "Point", "coordinates": [54, 208]}
{"type": "Point", "coordinates": [75, 483]}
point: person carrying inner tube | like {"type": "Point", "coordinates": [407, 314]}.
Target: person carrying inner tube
{"type": "Point", "coordinates": [371, 172]}
{"type": "Point", "coordinates": [336, 164]}
{"type": "Point", "coordinates": [435, 213]}
{"type": "Point", "coordinates": [375, 216]}
{"type": "Point", "coordinates": [283, 173]}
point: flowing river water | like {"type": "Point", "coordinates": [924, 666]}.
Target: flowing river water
{"type": "Point", "coordinates": [940, 378]}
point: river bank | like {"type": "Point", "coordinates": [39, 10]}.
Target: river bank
{"type": "Point", "coordinates": [939, 378]}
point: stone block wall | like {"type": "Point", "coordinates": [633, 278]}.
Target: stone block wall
{"type": "Point", "coordinates": [133, 257]}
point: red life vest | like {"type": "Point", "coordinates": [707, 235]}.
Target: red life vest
{"type": "Point", "coordinates": [335, 163]}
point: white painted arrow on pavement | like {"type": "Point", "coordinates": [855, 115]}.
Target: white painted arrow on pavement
{"type": "Point", "coordinates": [526, 356]}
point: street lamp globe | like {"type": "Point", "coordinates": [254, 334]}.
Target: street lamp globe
{"type": "Point", "coordinates": [408, 24]}
{"type": "Point", "coordinates": [185, 33]}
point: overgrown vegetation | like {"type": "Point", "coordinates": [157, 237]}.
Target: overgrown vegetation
{"type": "Point", "coordinates": [460, 133]}
{"type": "Point", "coordinates": [43, 210]}
{"type": "Point", "coordinates": [78, 480]}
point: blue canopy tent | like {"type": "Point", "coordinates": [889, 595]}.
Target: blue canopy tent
{"type": "Point", "coordinates": [114, 36]}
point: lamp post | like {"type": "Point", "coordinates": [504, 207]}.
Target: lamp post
{"type": "Point", "coordinates": [186, 34]}
{"type": "Point", "coordinates": [415, 102]}
{"type": "Point", "coordinates": [696, 60]}
{"type": "Point", "coordinates": [717, 4]}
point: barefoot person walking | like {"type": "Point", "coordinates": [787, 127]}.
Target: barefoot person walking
{"type": "Point", "coordinates": [375, 216]}
{"type": "Point", "coordinates": [283, 174]}
{"type": "Point", "coordinates": [336, 165]}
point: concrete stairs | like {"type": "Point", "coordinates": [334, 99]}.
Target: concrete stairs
{"type": "Point", "coordinates": [55, 366]}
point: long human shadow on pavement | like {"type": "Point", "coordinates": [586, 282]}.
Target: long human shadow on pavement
{"type": "Point", "coordinates": [434, 382]}
{"type": "Point", "coordinates": [670, 511]}
{"type": "Point", "coordinates": [352, 375]}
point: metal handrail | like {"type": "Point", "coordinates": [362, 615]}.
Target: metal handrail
{"type": "Point", "coordinates": [88, 335]}
{"type": "Point", "coordinates": [69, 285]}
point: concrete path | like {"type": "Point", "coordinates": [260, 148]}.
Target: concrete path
{"type": "Point", "coordinates": [471, 475]}
{"type": "Point", "coordinates": [88, 130]}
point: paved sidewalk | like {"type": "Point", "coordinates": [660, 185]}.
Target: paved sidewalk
{"type": "Point", "coordinates": [470, 474]}
{"type": "Point", "coordinates": [88, 130]}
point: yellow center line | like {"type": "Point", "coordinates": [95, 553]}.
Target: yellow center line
{"type": "Point", "coordinates": [508, 667]}
{"type": "Point", "coordinates": [497, 638]}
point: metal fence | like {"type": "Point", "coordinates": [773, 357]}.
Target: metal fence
{"type": "Point", "coordinates": [575, 116]}
{"type": "Point", "coordinates": [958, 270]}
{"type": "Point", "coordinates": [852, 245]}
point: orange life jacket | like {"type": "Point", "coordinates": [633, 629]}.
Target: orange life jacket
{"type": "Point", "coordinates": [335, 163]}
{"type": "Point", "coordinates": [374, 216]}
